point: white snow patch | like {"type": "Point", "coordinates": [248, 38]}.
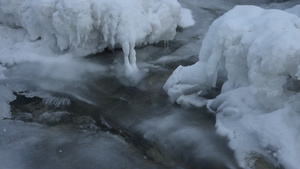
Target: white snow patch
{"type": "Point", "coordinates": [186, 18]}
{"type": "Point", "coordinates": [254, 55]}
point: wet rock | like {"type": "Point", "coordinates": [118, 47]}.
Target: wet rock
{"type": "Point", "coordinates": [85, 122]}
{"type": "Point", "coordinates": [258, 161]}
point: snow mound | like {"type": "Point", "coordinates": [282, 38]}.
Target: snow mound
{"type": "Point", "coordinates": [253, 56]}
{"type": "Point", "coordinates": [186, 18]}
{"type": "Point", "coordinates": [88, 26]}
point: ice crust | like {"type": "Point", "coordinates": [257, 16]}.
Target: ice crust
{"type": "Point", "coordinates": [253, 55]}
{"type": "Point", "coordinates": [84, 27]}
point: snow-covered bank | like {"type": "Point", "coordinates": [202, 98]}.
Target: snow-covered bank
{"type": "Point", "coordinates": [253, 55]}
{"type": "Point", "coordinates": [83, 27]}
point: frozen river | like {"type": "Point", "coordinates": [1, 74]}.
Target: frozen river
{"type": "Point", "coordinates": [82, 113]}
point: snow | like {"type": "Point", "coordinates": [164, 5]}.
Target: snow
{"type": "Point", "coordinates": [252, 54]}
{"type": "Point", "coordinates": [186, 18]}
{"type": "Point", "coordinates": [83, 27]}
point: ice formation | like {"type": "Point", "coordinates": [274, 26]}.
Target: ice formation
{"type": "Point", "coordinates": [253, 55]}
{"type": "Point", "coordinates": [83, 27]}
{"type": "Point", "coordinates": [186, 18]}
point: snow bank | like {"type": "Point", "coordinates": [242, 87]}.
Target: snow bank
{"type": "Point", "coordinates": [253, 55]}
{"type": "Point", "coordinates": [88, 26]}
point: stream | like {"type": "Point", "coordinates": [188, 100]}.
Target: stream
{"type": "Point", "coordinates": [95, 119]}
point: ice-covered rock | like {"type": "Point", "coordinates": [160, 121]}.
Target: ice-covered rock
{"type": "Point", "coordinates": [253, 55]}
{"type": "Point", "coordinates": [88, 26]}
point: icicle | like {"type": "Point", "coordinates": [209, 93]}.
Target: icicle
{"type": "Point", "coordinates": [166, 47]}
{"type": "Point", "coordinates": [127, 65]}
{"type": "Point", "coordinates": [133, 57]}
{"type": "Point", "coordinates": [129, 58]}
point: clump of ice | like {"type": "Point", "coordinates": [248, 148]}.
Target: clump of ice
{"type": "Point", "coordinates": [186, 18]}
{"type": "Point", "coordinates": [253, 55]}
{"type": "Point", "coordinates": [83, 27]}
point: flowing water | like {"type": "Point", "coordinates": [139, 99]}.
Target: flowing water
{"type": "Point", "coordinates": [95, 119]}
